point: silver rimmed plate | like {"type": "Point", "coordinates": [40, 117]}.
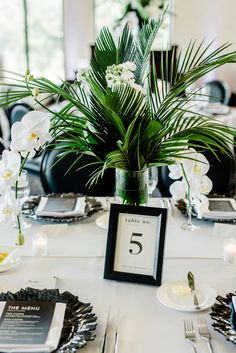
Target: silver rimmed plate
{"type": "Point", "coordinates": [166, 294]}
{"type": "Point", "coordinates": [79, 323]}
{"type": "Point", "coordinates": [30, 207]}
{"type": "Point", "coordinates": [224, 317]}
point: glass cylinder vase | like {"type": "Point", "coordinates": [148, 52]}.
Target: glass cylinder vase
{"type": "Point", "coordinates": [132, 187]}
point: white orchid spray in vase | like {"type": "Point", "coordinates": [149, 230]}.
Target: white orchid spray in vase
{"type": "Point", "coordinates": [192, 184]}
{"type": "Point", "coordinates": [27, 137]}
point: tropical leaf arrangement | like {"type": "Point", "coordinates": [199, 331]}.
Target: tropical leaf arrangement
{"type": "Point", "coordinates": [118, 112]}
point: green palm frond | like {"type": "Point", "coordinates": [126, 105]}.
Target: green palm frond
{"type": "Point", "coordinates": [192, 64]}
{"type": "Point", "coordinates": [105, 54]}
{"type": "Point", "coordinates": [144, 42]}
{"type": "Point", "coordinates": [126, 46]}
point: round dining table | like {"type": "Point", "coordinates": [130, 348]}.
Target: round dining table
{"type": "Point", "coordinates": [138, 321]}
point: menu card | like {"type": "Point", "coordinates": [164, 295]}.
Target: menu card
{"type": "Point", "coordinates": [25, 322]}
{"type": "Point", "coordinates": [29, 326]}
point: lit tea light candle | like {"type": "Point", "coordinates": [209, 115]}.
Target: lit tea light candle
{"type": "Point", "coordinates": [40, 244]}
{"type": "Point", "coordinates": [230, 250]}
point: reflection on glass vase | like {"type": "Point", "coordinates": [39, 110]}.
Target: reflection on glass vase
{"type": "Point", "coordinates": [152, 180]}
{"type": "Point", "coordinates": [132, 187]}
{"type": "Point", "coordinates": [22, 191]}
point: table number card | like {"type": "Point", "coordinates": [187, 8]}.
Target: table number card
{"type": "Point", "coordinates": [137, 241]}
{"type": "Point", "coordinates": [135, 244]}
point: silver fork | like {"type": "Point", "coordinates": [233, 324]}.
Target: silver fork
{"type": "Point", "coordinates": [190, 334]}
{"type": "Point", "coordinates": [205, 333]}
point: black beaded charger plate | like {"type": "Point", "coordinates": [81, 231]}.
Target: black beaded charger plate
{"type": "Point", "coordinates": [92, 205]}
{"type": "Point", "coordinates": [79, 322]}
{"type": "Point", "coordinates": [224, 317]}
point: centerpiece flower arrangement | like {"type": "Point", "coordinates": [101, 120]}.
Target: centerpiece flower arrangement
{"type": "Point", "coordinates": [117, 112]}
{"type": "Point", "coordinates": [27, 137]}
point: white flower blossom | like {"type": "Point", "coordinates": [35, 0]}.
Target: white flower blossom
{"type": "Point", "coordinates": [206, 185]}
{"type": "Point", "coordinates": [138, 88]}
{"type": "Point", "coordinates": [9, 168]}
{"type": "Point", "coordinates": [129, 65]}
{"type": "Point", "coordinates": [31, 133]}
{"type": "Point", "coordinates": [122, 74]}
{"type": "Point", "coordinates": [197, 165]}
{"type": "Point", "coordinates": [9, 207]}
{"type": "Point", "coordinates": [82, 77]}
{"type": "Point", "coordinates": [178, 189]}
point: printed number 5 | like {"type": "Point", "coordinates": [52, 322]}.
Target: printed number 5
{"type": "Point", "coordinates": [139, 245]}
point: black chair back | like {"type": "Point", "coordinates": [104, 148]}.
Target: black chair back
{"type": "Point", "coordinates": [221, 173]}
{"type": "Point", "coordinates": [218, 91]}
{"type": "Point", "coordinates": [2, 146]}
{"type": "Point", "coordinates": [63, 175]}
{"type": "Point", "coordinates": [17, 111]}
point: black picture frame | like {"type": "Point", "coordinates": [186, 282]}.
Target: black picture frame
{"type": "Point", "coordinates": [138, 219]}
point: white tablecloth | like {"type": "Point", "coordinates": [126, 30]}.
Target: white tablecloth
{"type": "Point", "coordinates": [144, 325]}
{"type": "Point", "coordinates": [82, 239]}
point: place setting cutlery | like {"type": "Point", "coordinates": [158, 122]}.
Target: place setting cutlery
{"type": "Point", "coordinates": [189, 333]}
{"type": "Point", "coordinates": [203, 330]}
{"type": "Point", "coordinates": [111, 337]}
{"type": "Point", "coordinates": [114, 343]}
{"type": "Point", "coordinates": [191, 283]}
{"type": "Point", "coordinates": [205, 333]}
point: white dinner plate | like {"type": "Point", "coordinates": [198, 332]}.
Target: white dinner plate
{"type": "Point", "coordinates": [205, 294]}
{"type": "Point", "coordinates": [103, 220]}
{"type": "Point", "coordinates": [12, 260]}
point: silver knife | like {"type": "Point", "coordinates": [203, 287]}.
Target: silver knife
{"type": "Point", "coordinates": [191, 284]}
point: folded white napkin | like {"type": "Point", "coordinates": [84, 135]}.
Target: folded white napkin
{"type": "Point", "coordinates": [52, 339]}
{"type": "Point", "coordinates": [61, 207]}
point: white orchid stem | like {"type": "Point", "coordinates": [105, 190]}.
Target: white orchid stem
{"type": "Point", "coordinates": [189, 207]}
{"type": "Point", "coordinates": [23, 163]}
{"type": "Point", "coordinates": [20, 239]}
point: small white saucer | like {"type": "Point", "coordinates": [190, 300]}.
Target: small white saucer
{"type": "Point", "coordinates": [103, 220]}
{"type": "Point", "coordinates": [12, 260]}
{"type": "Point", "coordinates": [10, 264]}
{"type": "Point", "coordinates": [205, 294]}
